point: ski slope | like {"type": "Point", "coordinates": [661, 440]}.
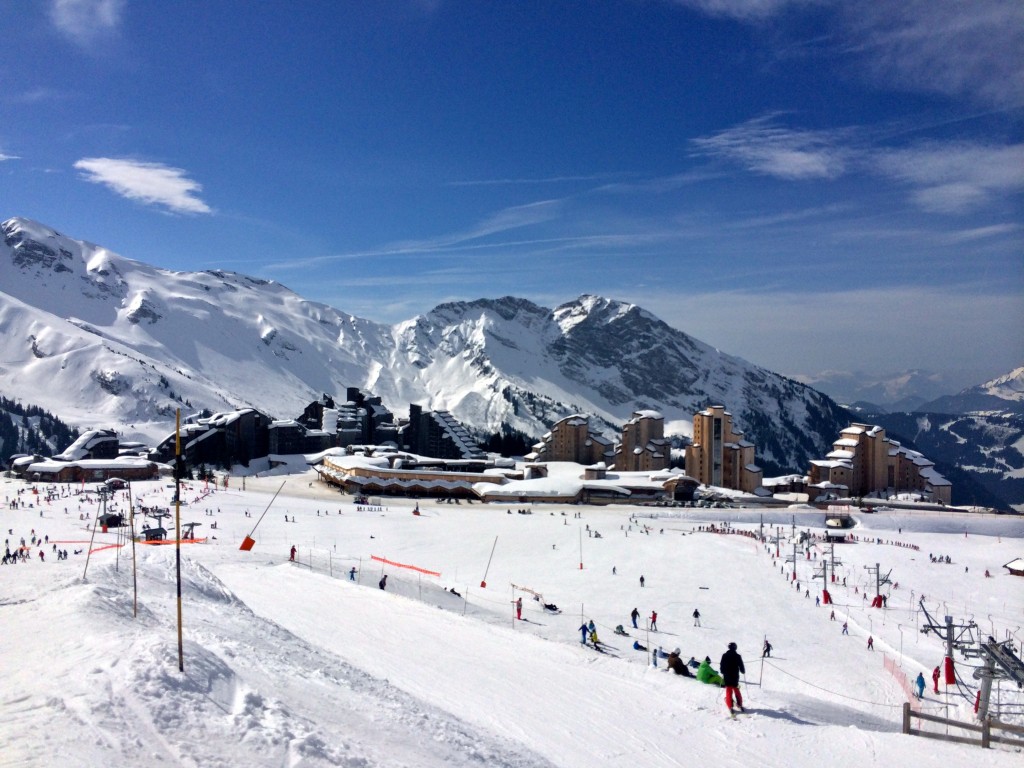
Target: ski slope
{"type": "Point", "coordinates": [294, 664]}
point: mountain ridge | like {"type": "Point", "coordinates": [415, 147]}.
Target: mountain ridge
{"type": "Point", "coordinates": [108, 341]}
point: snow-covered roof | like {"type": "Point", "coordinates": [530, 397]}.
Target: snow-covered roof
{"type": "Point", "coordinates": [121, 462]}
{"type": "Point", "coordinates": [647, 414]}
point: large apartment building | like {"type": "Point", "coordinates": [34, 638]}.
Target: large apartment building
{"type": "Point", "coordinates": [719, 455]}
{"type": "Point", "coordinates": [571, 440]}
{"type": "Point", "coordinates": [864, 461]}
{"type": "Point", "coordinates": [643, 447]}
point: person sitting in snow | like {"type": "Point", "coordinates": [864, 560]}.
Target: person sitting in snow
{"type": "Point", "coordinates": [706, 674]}
{"type": "Point", "coordinates": [675, 663]}
{"type": "Point", "coordinates": [637, 646]}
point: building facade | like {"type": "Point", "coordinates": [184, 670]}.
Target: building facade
{"type": "Point", "coordinates": [865, 462]}
{"type": "Point", "coordinates": [571, 440]}
{"type": "Point", "coordinates": [643, 447]}
{"type": "Point", "coordinates": [719, 455]}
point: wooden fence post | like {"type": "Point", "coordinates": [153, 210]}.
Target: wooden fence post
{"type": "Point", "coordinates": [986, 733]}
{"type": "Point", "coordinates": [906, 717]}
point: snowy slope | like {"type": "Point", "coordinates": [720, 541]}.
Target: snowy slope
{"type": "Point", "coordinates": [105, 341]}
{"type": "Point", "coordinates": [292, 664]}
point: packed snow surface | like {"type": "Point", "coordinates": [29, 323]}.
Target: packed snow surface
{"type": "Point", "coordinates": [292, 663]}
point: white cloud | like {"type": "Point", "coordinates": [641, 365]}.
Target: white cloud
{"type": "Point", "coordinates": [763, 146]}
{"type": "Point", "coordinates": [4, 157]}
{"type": "Point", "coordinates": [745, 10]}
{"type": "Point", "coordinates": [954, 177]}
{"type": "Point", "coordinates": [149, 183]}
{"type": "Point", "coordinates": [85, 21]}
{"type": "Point", "coordinates": [942, 46]}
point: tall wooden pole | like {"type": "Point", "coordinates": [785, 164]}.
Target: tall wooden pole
{"type": "Point", "coordinates": [135, 576]}
{"type": "Point", "coordinates": [178, 468]}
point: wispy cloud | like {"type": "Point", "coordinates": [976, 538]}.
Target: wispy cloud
{"type": "Point", "coordinates": [763, 146]}
{"type": "Point", "coordinates": [534, 181]}
{"type": "Point", "coordinates": [954, 177]}
{"type": "Point", "coordinates": [941, 46]}
{"type": "Point", "coordinates": [86, 21]}
{"type": "Point", "coordinates": [149, 183]}
{"type": "Point", "coordinates": [34, 96]}
{"type": "Point", "coordinates": [4, 157]}
{"type": "Point", "coordinates": [745, 10]}
{"type": "Point", "coordinates": [951, 47]}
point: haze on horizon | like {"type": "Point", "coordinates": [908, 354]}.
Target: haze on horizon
{"type": "Point", "coordinates": [809, 185]}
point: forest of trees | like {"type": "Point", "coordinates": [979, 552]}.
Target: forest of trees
{"type": "Point", "coordinates": [30, 429]}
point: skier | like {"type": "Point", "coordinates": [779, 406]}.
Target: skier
{"type": "Point", "coordinates": [935, 677]}
{"type": "Point", "coordinates": [871, 643]}
{"type": "Point", "coordinates": [654, 620]}
{"type": "Point", "coordinates": [731, 666]}
{"type": "Point", "coordinates": [352, 574]}
{"type": "Point", "coordinates": [920, 685]}
{"type": "Point", "coordinates": [641, 581]}
{"type": "Point", "coordinates": [846, 628]}
{"type": "Point", "coordinates": [519, 608]}
{"type": "Point", "coordinates": [292, 554]}
{"type": "Point", "coordinates": [767, 651]}
{"type": "Point", "coordinates": [383, 583]}
{"type": "Point", "coordinates": [696, 617]}
{"type": "Point", "coordinates": [634, 615]}
{"type": "Point", "coordinates": [584, 631]}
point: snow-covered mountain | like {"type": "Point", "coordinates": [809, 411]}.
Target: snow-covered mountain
{"type": "Point", "coordinates": [105, 341]}
{"type": "Point", "coordinates": [881, 392]}
{"type": "Point", "coordinates": [1002, 395]}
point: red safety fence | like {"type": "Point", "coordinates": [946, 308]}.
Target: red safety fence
{"type": "Point", "coordinates": [902, 680]}
{"type": "Point", "coordinates": [108, 546]}
{"type": "Point", "coordinates": [404, 565]}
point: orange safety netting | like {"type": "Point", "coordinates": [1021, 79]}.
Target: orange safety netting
{"type": "Point", "coordinates": [108, 546]}
{"type": "Point", "coordinates": [403, 565]}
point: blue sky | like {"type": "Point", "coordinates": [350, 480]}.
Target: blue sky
{"type": "Point", "coordinates": [808, 184]}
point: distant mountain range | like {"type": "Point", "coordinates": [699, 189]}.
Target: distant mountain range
{"type": "Point", "coordinates": [105, 341]}
{"type": "Point", "coordinates": [920, 391]}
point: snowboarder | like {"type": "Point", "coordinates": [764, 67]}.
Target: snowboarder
{"type": "Point", "coordinates": [654, 620]}
{"type": "Point", "coordinates": [920, 685]}
{"type": "Point", "coordinates": [732, 666]}
{"type": "Point", "coordinates": [696, 617]}
{"type": "Point", "coordinates": [871, 643]}
{"type": "Point", "coordinates": [383, 583]}
{"type": "Point", "coordinates": [766, 652]}
{"type": "Point", "coordinates": [641, 581]}
{"type": "Point", "coordinates": [707, 674]}
{"type": "Point", "coordinates": [292, 553]}
{"type": "Point", "coordinates": [519, 608]}
{"type": "Point", "coordinates": [634, 615]}
{"type": "Point", "coordinates": [935, 678]}
{"type": "Point", "coordinates": [638, 646]}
